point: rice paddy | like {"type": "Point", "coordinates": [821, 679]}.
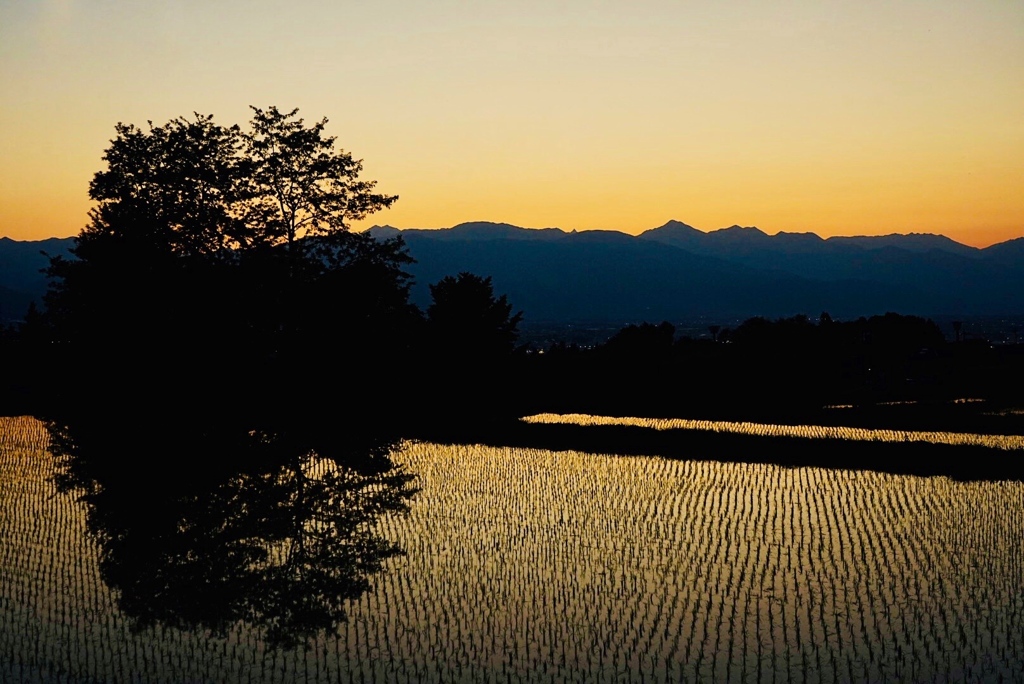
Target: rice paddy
{"type": "Point", "coordinates": [532, 565]}
{"type": "Point", "coordinates": [1006, 442]}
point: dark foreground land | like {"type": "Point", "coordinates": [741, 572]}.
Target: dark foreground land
{"type": "Point", "coordinates": [360, 378]}
{"type": "Point", "coordinates": [890, 372]}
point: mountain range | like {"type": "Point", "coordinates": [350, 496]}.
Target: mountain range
{"type": "Point", "coordinates": [672, 272]}
{"type": "Point", "coordinates": [676, 271]}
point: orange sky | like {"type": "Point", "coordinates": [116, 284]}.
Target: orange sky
{"type": "Point", "coordinates": [833, 117]}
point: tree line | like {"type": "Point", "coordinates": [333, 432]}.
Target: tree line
{"type": "Point", "coordinates": [787, 369]}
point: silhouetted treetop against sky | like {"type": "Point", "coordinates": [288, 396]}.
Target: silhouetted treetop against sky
{"type": "Point", "coordinates": [296, 183]}
{"type": "Point", "coordinates": [174, 186]}
{"type": "Point", "coordinates": [196, 188]}
{"type": "Point", "coordinates": [209, 241]}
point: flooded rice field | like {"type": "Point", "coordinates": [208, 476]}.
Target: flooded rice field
{"type": "Point", "coordinates": [856, 434]}
{"type": "Point", "coordinates": [532, 565]}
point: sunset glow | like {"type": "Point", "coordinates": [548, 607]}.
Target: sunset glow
{"type": "Point", "coordinates": [837, 118]}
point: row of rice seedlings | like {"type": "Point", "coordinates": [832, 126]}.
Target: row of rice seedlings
{"type": "Point", "coordinates": [787, 585]}
{"type": "Point", "coordinates": [1007, 442]}
{"type": "Point", "coordinates": [527, 565]}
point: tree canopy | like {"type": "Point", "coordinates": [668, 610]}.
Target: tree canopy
{"type": "Point", "coordinates": [192, 187]}
{"type": "Point", "coordinates": [295, 183]}
{"type": "Point", "coordinates": [221, 255]}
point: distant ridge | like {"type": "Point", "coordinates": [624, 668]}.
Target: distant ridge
{"type": "Point", "coordinates": [476, 230]}
{"type": "Point", "coordinates": [1009, 252]}
{"type": "Point", "coordinates": [680, 234]}
{"type": "Point", "coordinates": [676, 271]}
{"type": "Point", "coordinates": [672, 272]}
{"type": "Point", "coordinates": [914, 242]}
{"type": "Point", "coordinates": [21, 272]}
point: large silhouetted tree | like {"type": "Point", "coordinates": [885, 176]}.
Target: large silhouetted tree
{"type": "Point", "coordinates": [219, 254]}
{"type": "Point", "coordinates": [194, 188]}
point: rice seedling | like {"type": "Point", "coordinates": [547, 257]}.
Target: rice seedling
{"type": "Point", "coordinates": [531, 565]}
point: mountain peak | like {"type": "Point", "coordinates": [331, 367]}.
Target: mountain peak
{"type": "Point", "coordinates": [798, 237]}
{"type": "Point", "coordinates": [675, 233]}
{"type": "Point", "coordinates": [470, 231]}
{"type": "Point", "coordinates": [673, 225]}
{"type": "Point", "coordinates": [489, 230]}
{"type": "Point", "coordinates": [484, 226]}
{"type": "Point", "coordinates": [735, 228]}
{"type": "Point", "coordinates": [736, 232]}
{"type": "Point", "coordinates": [383, 232]}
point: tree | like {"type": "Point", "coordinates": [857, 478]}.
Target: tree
{"type": "Point", "coordinates": [195, 188]}
{"type": "Point", "coordinates": [471, 336]}
{"type": "Point", "coordinates": [192, 194]}
{"type": "Point", "coordinates": [642, 341]}
{"type": "Point", "coordinates": [466, 318]}
{"type": "Point", "coordinates": [297, 184]}
{"type": "Point", "coordinates": [171, 189]}
{"type": "Point", "coordinates": [215, 253]}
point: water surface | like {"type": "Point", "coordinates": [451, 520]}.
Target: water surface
{"type": "Point", "coordinates": [533, 565]}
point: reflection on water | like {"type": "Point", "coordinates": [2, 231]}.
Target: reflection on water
{"type": "Point", "coordinates": [532, 565]}
{"type": "Point", "coordinates": [255, 528]}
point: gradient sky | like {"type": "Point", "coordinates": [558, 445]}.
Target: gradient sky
{"type": "Point", "coordinates": [842, 118]}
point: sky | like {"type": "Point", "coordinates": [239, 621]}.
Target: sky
{"type": "Point", "coordinates": [840, 118]}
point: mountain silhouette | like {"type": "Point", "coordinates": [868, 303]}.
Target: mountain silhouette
{"type": "Point", "coordinates": [1009, 253]}
{"type": "Point", "coordinates": [676, 271]}
{"type": "Point", "coordinates": [21, 272]}
{"type": "Point", "coordinates": [476, 230]}
{"type": "Point", "coordinates": [671, 272]}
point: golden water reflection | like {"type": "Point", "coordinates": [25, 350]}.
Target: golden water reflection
{"type": "Point", "coordinates": [533, 565]}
